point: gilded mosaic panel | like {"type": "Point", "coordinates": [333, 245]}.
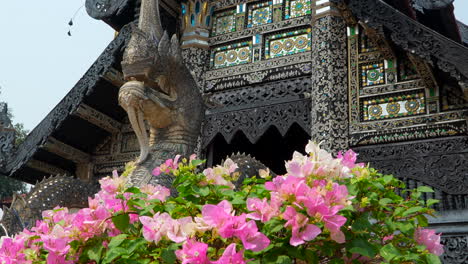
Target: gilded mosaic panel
{"type": "Point", "coordinates": [297, 8]}
{"type": "Point", "coordinates": [393, 107]}
{"type": "Point", "coordinates": [225, 22]}
{"type": "Point", "coordinates": [231, 55]}
{"type": "Point", "coordinates": [259, 14]}
{"type": "Point", "coordinates": [288, 43]}
{"type": "Point", "coordinates": [372, 74]}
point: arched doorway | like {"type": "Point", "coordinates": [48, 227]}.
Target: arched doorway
{"type": "Point", "coordinates": [272, 149]}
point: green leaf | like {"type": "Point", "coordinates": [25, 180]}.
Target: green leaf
{"type": "Point", "coordinates": [424, 189]}
{"type": "Point", "coordinates": [196, 162]}
{"type": "Point", "coordinates": [405, 227]}
{"type": "Point", "coordinates": [362, 223]}
{"type": "Point", "coordinates": [117, 240]}
{"type": "Point", "coordinates": [95, 252]}
{"type": "Point", "coordinates": [135, 244]}
{"type": "Point", "coordinates": [413, 210]}
{"type": "Point", "coordinates": [114, 253]}
{"type": "Point", "coordinates": [311, 257]}
{"type": "Point", "coordinates": [385, 201]}
{"type": "Point", "coordinates": [363, 247]}
{"type": "Point", "coordinates": [121, 221]}
{"type": "Point", "coordinates": [134, 190]}
{"type": "Point", "coordinates": [422, 220]}
{"type": "Point", "coordinates": [389, 252]}
{"type": "Point", "coordinates": [431, 202]}
{"type": "Point", "coordinates": [283, 260]}
{"type": "Point", "coordinates": [168, 256]}
{"type": "Point", "coordinates": [387, 179]}
{"type": "Point", "coordinates": [204, 191]}
{"type": "Point", "coordinates": [432, 259]}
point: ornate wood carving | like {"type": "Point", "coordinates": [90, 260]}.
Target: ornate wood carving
{"type": "Point", "coordinates": [456, 249]}
{"type": "Point", "coordinates": [440, 163]}
{"type": "Point", "coordinates": [329, 96]}
{"type": "Point", "coordinates": [97, 118]}
{"type": "Point", "coordinates": [413, 36]}
{"type": "Point", "coordinates": [100, 9]}
{"type": "Point", "coordinates": [254, 122]}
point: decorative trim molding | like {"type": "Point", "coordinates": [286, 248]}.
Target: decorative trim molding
{"type": "Point", "coordinates": [254, 123]}
{"type": "Point", "coordinates": [262, 29]}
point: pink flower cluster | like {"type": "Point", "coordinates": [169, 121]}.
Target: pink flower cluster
{"type": "Point", "coordinates": [167, 166]}
{"type": "Point", "coordinates": [321, 163]}
{"type": "Point", "coordinates": [430, 239]}
{"type": "Point", "coordinates": [218, 174]}
{"type": "Point", "coordinates": [308, 196]}
{"type": "Point", "coordinates": [194, 252]}
{"type": "Point", "coordinates": [163, 226]}
{"type": "Point", "coordinates": [222, 218]}
{"type": "Point", "coordinates": [59, 227]}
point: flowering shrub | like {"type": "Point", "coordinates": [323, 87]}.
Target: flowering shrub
{"type": "Point", "coordinates": [323, 210]}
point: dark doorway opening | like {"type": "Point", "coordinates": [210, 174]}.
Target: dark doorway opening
{"type": "Point", "coordinates": [271, 149]}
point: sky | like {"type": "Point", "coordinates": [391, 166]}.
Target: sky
{"type": "Point", "coordinates": [40, 63]}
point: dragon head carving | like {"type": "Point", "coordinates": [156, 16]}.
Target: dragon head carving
{"type": "Point", "coordinates": [160, 91]}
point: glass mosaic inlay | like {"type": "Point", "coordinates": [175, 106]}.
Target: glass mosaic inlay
{"type": "Point", "coordinates": [231, 55]}
{"type": "Point", "coordinates": [225, 22]}
{"type": "Point", "coordinates": [372, 74]}
{"type": "Point", "coordinates": [260, 14]}
{"type": "Point", "coordinates": [287, 43]}
{"type": "Point", "coordinates": [392, 107]}
{"type": "Point", "coordinates": [297, 8]}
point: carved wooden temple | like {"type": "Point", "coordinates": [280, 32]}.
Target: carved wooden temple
{"type": "Point", "coordinates": [387, 78]}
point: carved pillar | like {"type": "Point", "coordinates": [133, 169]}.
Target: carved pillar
{"type": "Point", "coordinates": [197, 20]}
{"type": "Point", "coordinates": [329, 93]}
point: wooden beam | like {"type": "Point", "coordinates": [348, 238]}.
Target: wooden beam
{"type": "Point", "coordinates": [66, 151]}
{"type": "Point", "coordinates": [46, 167]}
{"type": "Point", "coordinates": [115, 77]}
{"type": "Point", "coordinates": [98, 119]}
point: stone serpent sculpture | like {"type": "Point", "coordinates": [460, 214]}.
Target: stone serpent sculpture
{"type": "Point", "coordinates": [161, 96]}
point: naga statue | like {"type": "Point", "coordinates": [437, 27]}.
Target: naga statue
{"type": "Point", "coordinates": [160, 92]}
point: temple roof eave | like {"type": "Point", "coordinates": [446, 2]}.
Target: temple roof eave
{"type": "Point", "coordinates": [65, 109]}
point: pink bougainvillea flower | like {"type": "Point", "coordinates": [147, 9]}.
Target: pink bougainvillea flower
{"type": "Point", "coordinates": [217, 215]}
{"type": "Point", "coordinates": [430, 239]}
{"type": "Point", "coordinates": [349, 159]}
{"type": "Point", "coordinates": [156, 192]}
{"type": "Point", "coordinates": [262, 210]}
{"type": "Point", "coordinates": [301, 230]}
{"type": "Point", "coordinates": [53, 258]}
{"type": "Point", "coordinates": [10, 250]}
{"type": "Point", "coordinates": [386, 238]}
{"type": "Point", "coordinates": [156, 227]}
{"type": "Point", "coordinates": [112, 185]}
{"type": "Point", "coordinates": [167, 166]}
{"type": "Point", "coordinates": [230, 256]}
{"type": "Point", "coordinates": [193, 252]}
{"type": "Point", "coordinates": [251, 238]}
